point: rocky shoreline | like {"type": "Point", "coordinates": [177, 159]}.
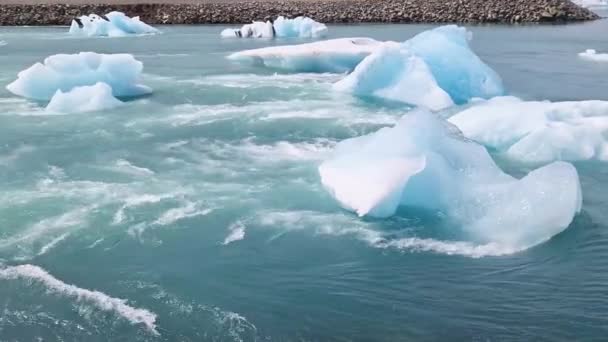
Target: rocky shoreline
{"type": "Point", "coordinates": [327, 11]}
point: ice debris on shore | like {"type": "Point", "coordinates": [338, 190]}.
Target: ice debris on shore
{"type": "Point", "coordinates": [592, 55]}
{"type": "Point", "coordinates": [435, 69]}
{"type": "Point", "coordinates": [334, 55]}
{"type": "Point", "coordinates": [538, 131]}
{"type": "Point", "coordinates": [113, 24]}
{"type": "Point", "coordinates": [424, 162]}
{"type": "Point", "coordinates": [83, 99]}
{"type": "Point", "coordinates": [62, 72]}
{"type": "Point", "coordinates": [300, 27]}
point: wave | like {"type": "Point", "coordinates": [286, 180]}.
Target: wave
{"type": "Point", "coordinates": [98, 299]}
{"type": "Point", "coordinates": [341, 224]}
{"type": "Point", "coordinates": [188, 210]}
{"type": "Point", "coordinates": [237, 233]}
{"type": "Point", "coordinates": [258, 81]}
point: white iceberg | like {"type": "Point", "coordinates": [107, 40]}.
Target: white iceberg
{"type": "Point", "coordinates": [257, 29]}
{"type": "Point", "coordinates": [424, 162]}
{"type": "Point", "coordinates": [41, 81]}
{"type": "Point", "coordinates": [300, 27]}
{"type": "Point", "coordinates": [538, 132]}
{"type": "Point", "coordinates": [84, 99]}
{"type": "Point", "coordinates": [113, 24]}
{"type": "Point", "coordinates": [334, 55]}
{"type": "Point", "coordinates": [592, 55]}
{"type": "Point", "coordinates": [392, 72]}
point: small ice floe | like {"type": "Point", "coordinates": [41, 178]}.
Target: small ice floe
{"type": "Point", "coordinates": [300, 27]}
{"type": "Point", "coordinates": [83, 99]}
{"type": "Point", "coordinates": [120, 72]}
{"type": "Point", "coordinates": [592, 55]}
{"type": "Point", "coordinates": [113, 24]}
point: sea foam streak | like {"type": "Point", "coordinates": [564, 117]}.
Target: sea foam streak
{"type": "Point", "coordinates": [100, 300]}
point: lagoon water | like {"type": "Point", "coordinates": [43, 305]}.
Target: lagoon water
{"type": "Point", "coordinates": [201, 206]}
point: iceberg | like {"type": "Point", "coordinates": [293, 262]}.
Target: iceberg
{"type": "Point", "coordinates": [113, 24]}
{"type": "Point", "coordinates": [334, 55]}
{"type": "Point", "coordinates": [65, 72]}
{"type": "Point", "coordinates": [257, 29]}
{"type": "Point", "coordinates": [538, 131]}
{"type": "Point", "coordinates": [457, 69]}
{"type": "Point", "coordinates": [392, 72]}
{"type": "Point", "coordinates": [592, 55]}
{"type": "Point", "coordinates": [434, 69]}
{"type": "Point", "coordinates": [424, 162]}
{"type": "Point", "coordinates": [93, 98]}
{"type": "Point", "coordinates": [300, 27]}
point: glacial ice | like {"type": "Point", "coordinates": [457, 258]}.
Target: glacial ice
{"type": "Point", "coordinates": [65, 72]}
{"type": "Point", "coordinates": [457, 69]}
{"type": "Point", "coordinates": [334, 55]}
{"type": "Point", "coordinates": [425, 162]}
{"type": "Point", "coordinates": [113, 24]}
{"type": "Point", "coordinates": [392, 72]}
{"type": "Point", "coordinates": [257, 29]}
{"type": "Point", "coordinates": [538, 132]}
{"type": "Point", "coordinates": [84, 99]}
{"type": "Point", "coordinates": [300, 27]}
{"type": "Point", "coordinates": [592, 55]}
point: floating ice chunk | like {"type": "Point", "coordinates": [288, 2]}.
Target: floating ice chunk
{"type": "Point", "coordinates": [257, 29]}
{"type": "Point", "coordinates": [592, 55]}
{"type": "Point", "coordinates": [457, 69]}
{"type": "Point", "coordinates": [113, 24]}
{"type": "Point", "coordinates": [65, 72]}
{"type": "Point", "coordinates": [538, 132]}
{"type": "Point", "coordinates": [424, 162]}
{"type": "Point", "coordinates": [392, 72]}
{"type": "Point", "coordinates": [300, 27]}
{"type": "Point", "coordinates": [334, 55]}
{"type": "Point", "coordinates": [84, 99]}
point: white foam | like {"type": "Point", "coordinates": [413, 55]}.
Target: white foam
{"type": "Point", "coordinates": [188, 210]}
{"type": "Point", "coordinates": [594, 56]}
{"type": "Point", "coordinates": [98, 299]}
{"type": "Point", "coordinates": [237, 233]}
{"type": "Point", "coordinates": [127, 167]}
{"type": "Point", "coordinates": [52, 243]}
{"type": "Point", "coordinates": [15, 154]}
{"type": "Point", "coordinates": [3, 43]}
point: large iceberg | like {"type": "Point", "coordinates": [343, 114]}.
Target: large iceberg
{"type": "Point", "coordinates": [592, 55]}
{"type": "Point", "coordinates": [65, 72]}
{"type": "Point", "coordinates": [93, 98]}
{"type": "Point", "coordinates": [113, 24]}
{"type": "Point", "coordinates": [392, 72]}
{"type": "Point", "coordinates": [300, 27]}
{"type": "Point", "coordinates": [334, 55]}
{"type": "Point", "coordinates": [538, 132]}
{"type": "Point", "coordinates": [424, 162]}
{"type": "Point", "coordinates": [434, 69]}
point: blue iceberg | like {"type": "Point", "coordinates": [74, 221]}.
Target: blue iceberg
{"type": "Point", "coordinates": [394, 73]}
{"type": "Point", "coordinates": [538, 132]}
{"type": "Point", "coordinates": [113, 24]}
{"type": "Point", "coordinates": [424, 162]}
{"type": "Point", "coordinates": [41, 81]}
{"type": "Point", "coordinates": [434, 69]}
{"type": "Point", "coordinates": [300, 27]}
{"type": "Point", "coordinates": [83, 99]}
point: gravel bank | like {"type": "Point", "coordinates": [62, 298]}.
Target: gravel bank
{"type": "Point", "coordinates": [31, 12]}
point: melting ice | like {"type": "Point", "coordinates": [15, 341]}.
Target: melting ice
{"type": "Point", "coordinates": [113, 24]}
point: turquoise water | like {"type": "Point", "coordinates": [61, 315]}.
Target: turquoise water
{"type": "Point", "coordinates": [202, 205]}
